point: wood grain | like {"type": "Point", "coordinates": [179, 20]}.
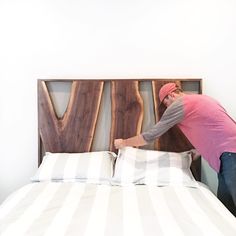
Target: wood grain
{"type": "Point", "coordinates": [173, 140]}
{"type": "Point", "coordinates": [127, 110]}
{"type": "Point", "coordinates": [75, 130]}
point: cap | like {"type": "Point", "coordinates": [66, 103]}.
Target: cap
{"type": "Point", "coordinates": [166, 89]}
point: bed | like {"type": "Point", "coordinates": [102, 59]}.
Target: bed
{"type": "Point", "coordinates": [78, 190]}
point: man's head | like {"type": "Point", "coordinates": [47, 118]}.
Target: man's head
{"type": "Point", "coordinates": [168, 93]}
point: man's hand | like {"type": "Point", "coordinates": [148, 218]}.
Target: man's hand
{"type": "Point", "coordinates": [119, 143]}
{"type": "Point", "coordinates": [195, 155]}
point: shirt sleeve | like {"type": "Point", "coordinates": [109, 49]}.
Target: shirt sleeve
{"type": "Point", "coordinates": [172, 116]}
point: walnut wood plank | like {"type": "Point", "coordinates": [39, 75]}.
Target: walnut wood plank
{"type": "Point", "coordinates": [75, 130]}
{"type": "Point", "coordinates": [173, 140]}
{"type": "Point", "coordinates": [174, 136]}
{"type": "Point", "coordinates": [127, 110]}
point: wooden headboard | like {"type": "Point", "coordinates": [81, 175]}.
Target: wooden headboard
{"type": "Point", "coordinates": [75, 130]}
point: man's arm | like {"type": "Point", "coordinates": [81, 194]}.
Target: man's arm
{"type": "Point", "coordinates": [172, 115]}
{"type": "Point", "coordinates": [133, 141]}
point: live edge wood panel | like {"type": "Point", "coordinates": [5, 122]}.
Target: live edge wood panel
{"type": "Point", "coordinates": [173, 140]}
{"type": "Point", "coordinates": [174, 135]}
{"type": "Point", "coordinates": [127, 110]}
{"type": "Point", "coordinates": [74, 132]}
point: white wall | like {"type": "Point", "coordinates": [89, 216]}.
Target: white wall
{"type": "Point", "coordinates": [103, 39]}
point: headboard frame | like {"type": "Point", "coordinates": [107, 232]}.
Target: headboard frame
{"type": "Point", "coordinates": [74, 131]}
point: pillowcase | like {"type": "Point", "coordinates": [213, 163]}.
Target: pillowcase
{"type": "Point", "coordinates": [90, 167]}
{"type": "Point", "coordinates": [137, 166]}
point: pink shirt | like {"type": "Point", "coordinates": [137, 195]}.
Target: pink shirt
{"type": "Point", "coordinates": [204, 122]}
{"type": "Point", "coordinates": [208, 127]}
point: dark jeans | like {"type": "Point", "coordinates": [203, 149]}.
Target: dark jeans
{"type": "Point", "coordinates": [227, 181]}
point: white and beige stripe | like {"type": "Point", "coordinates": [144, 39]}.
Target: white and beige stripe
{"type": "Point", "coordinates": [87, 209]}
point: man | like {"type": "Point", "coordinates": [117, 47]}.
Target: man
{"type": "Point", "coordinates": [207, 126]}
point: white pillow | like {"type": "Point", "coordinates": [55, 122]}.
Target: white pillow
{"type": "Point", "coordinates": [137, 166]}
{"type": "Point", "coordinates": [91, 167]}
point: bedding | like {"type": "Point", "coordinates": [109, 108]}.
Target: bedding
{"type": "Point", "coordinates": [74, 208]}
{"type": "Point", "coordinates": [90, 167]}
{"type": "Point", "coordinates": [146, 193]}
{"type": "Point", "coordinates": [138, 166]}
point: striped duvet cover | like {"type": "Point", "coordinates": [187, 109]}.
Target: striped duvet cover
{"type": "Point", "coordinates": [51, 208]}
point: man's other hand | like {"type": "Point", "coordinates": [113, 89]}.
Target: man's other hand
{"type": "Point", "coordinates": [119, 143]}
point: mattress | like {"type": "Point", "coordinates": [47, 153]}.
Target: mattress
{"type": "Point", "coordinates": [73, 208]}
